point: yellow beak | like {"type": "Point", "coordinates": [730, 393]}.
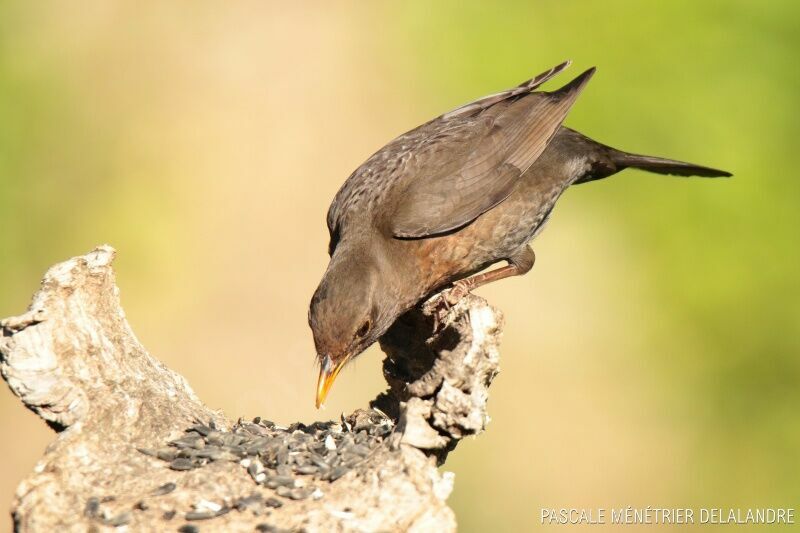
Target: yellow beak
{"type": "Point", "coordinates": [327, 374]}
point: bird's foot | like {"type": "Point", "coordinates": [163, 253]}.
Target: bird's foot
{"type": "Point", "coordinates": [439, 306]}
{"type": "Point", "coordinates": [460, 289]}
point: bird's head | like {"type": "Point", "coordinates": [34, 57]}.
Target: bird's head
{"type": "Point", "coordinates": [349, 311]}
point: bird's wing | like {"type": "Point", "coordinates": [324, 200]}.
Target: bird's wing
{"type": "Point", "coordinates": [521, 89]}
{"type": "Point", "coordinates": [463, 171]}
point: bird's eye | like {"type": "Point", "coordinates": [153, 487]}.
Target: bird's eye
{"type": "Point", "coordinates": [364, 329]}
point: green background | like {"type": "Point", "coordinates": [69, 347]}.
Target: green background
{"type": "Point", "coordinates": [652, 356]}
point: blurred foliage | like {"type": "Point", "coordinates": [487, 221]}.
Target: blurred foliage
{"type": "Point", "coordinates": [652, 356]}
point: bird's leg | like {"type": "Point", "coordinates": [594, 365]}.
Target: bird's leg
{"type": "Point", "coordinates": [518, 264]}
{"type": "Point", "coordinates": [464, 286]}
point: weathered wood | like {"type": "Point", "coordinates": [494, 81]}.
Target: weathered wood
{"type": "Point", "coordinates": [74, 360]}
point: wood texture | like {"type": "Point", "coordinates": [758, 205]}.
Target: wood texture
{"type": "Point", "coordinates": [74, 360]}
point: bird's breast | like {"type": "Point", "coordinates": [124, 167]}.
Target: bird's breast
{"type": "Point", "coordinates": [494, 236]}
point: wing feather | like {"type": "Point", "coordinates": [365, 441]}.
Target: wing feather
{"type": "Point", "coordinates": [477, 165]}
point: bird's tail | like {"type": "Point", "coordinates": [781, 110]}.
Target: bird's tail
{"type": "Point", "coordinates": [605, 161]}
{"type": "Point", "coordinates": [661, 165]}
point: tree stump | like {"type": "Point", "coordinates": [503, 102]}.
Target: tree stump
{"type": "Point", "coordinates": [135, 448]}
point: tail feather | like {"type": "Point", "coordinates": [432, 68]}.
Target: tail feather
{"type": "Point", "coordinates": [661, 165]}
{"type": "Point", "coordinates": [605, 161]}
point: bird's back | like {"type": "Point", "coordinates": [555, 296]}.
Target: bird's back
{"type": "Point", "coordinates": [446, 172]}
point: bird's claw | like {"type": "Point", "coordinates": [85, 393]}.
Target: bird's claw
{"type": "Point", "coordinates": [439, 306]}
{"type": "Point", "coordinates": [460, 290]}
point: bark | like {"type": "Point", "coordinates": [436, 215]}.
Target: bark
{"type": "Point", "coordinates": [74, 360]}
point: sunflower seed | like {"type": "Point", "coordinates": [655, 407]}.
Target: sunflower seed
{"type": "Point", "coordinates": [252, 502]}
{"type": "Point", "coordinates": [338, 472]}
{"type": "Point", "coordinates": [280, 481]}
{"type": "Point", "coordinates": [202, 429]}
{"type": "Point", "coordinates": [167, 454]}
{"type": "Point", "coordinates": [284, 492]}
{"type": "Point", "coordinates": [214, 454]}
{"type": "Point", "coordinates": [255, 468]}
{"type": "Point", "coordinates": [166, 488]}
{"type": "Point", "coordinates": [181, 464]}
{"type": "Point", "coordinates": [191, 441]}
{"type": "Point", "coordinates": [119, 520]}
{"type": "Point", "coordinates": [360, 449]}
{"type": "Point", "coordinates": [273, 502]}
{"type": "Point", "coordinates": [205, 505]}
{"type": "Point", "coordinates": [215, 438]}
{"type": "Point", "coordinates": [301, 493]}
{"type": "Point", "coordinates": [199, 515]}
{"type": "Point", "coordinates": [92, 507]}
{"type": "Point", "coordinates": [308, 469]}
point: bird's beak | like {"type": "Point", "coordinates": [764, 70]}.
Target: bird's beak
{"type": "Point", "coordinates": [327, 373]}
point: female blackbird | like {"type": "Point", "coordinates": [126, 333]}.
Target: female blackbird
{"type": "Point", "coordinates": [444, 201]}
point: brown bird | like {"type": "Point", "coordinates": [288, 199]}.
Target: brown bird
{"type": "Point", "coordinates": [446, 200]}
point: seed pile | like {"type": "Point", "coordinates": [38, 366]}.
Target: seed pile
{"type": "Point", "coordinates": [282, 458]}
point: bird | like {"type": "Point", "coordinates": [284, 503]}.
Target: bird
{"type": "Point", "coordinates": [440, 204]}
